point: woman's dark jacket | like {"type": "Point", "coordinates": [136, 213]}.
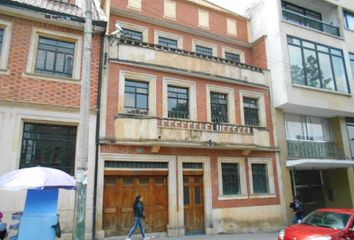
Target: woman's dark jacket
{"type": "Point", "coordinates": [139, 209]}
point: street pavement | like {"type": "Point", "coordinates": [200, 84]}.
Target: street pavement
{"type": "Point", "coordinates": [245, 236]}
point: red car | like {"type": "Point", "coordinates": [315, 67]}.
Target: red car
{"type": "Point", "coordinates": [322, 224]}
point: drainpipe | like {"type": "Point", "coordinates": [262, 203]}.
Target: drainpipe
{"type": "Point", "coordinates": [97, 135]}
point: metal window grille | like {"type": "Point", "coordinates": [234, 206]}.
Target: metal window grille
{"type": "Point", "coordinates": [136, 165]}
{"type": "Point", "coordinates": [168, 42]}
{"type": "Point", "coordinates": [232, 57]}
{"type": "Point", "coordinates": [131, 34]}
{"type": "Point", "coordinates": [178, 102]}
{"type": "Point", "coordinates": [190, 165]}
{"type": "Point", "coordinates": [204, 50]}
{"type": "Point", "coordinates": [55, 57]}
{"type": "Point", "coordinates": [48, 146]}
{"type": "Point", "coordinates": [230, 179]}
{"type": "Point", "coordinates": [1, 38]}
{"type": "Point", "coordinates": [218, 107]}
{"type": "Point", "coordinates": [250, 109]}
{"type": "Point", "coordinates": [260, 178]}
{"type": "Point", "coordinates": [136, 96]}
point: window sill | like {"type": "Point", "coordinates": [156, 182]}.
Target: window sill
{"type": "Point", "coordinates": [321, 90]}
{"type": "Point", "coordinates": [232, 197]}
{"type": "Point", "coordinates": [269, 195]}
{"type": "Point", "coordinates": [51, 78]}
{"type": "Point", "coordinates": [4, 72]}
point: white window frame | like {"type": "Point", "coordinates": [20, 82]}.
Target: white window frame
{"type": "Point", "coordinates": [203, 19]}
{"type": "Point", "coordinates": [231, 26]}
{"type": "Point", "coordinates": [234, 51]}
{"type": "Point", "coordinates": [134, 4]}
{"type": "Point", "coordinates": [192, 95]}
{"type": "Point", "coordinates": [6, 42]}
{"type": "Point", "coordinates": [169, 9]}
{"type": "Point", "coordinates": [261, 107]}
{"type": "Point", "coordinates": [213, 46]}
{"type": "Point", "coordinates": [242, 178]}
{"type": "Point", "coordinates": [135, 27]}
{"type": "Point", "coordinates": [151, 79]}
{"type": "Point", "coordinates": [32, 56]}
{"type": "Point", "coordinates": [178, 38]}
{"type": "Point", "coordinates": [231, 112]}
{"type": "Point", "coordinates": [270, 177]}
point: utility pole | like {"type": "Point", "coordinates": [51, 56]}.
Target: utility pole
{"type": "Point", "coordinates": [82, 156]}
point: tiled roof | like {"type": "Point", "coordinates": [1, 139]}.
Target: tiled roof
{"type": "Point", "coordinates": [64, 8]}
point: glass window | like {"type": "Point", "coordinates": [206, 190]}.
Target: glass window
{"type": "Point", "coordinates": [351, 55]}
{"type": "Point", "coordinates": [136, 96]}
{"type": "Point", "coordinates": [204, 50]}
{"type": "Point", "coordinates": [260, 178]}
{"type": "Point", "coordinates": [1, 38]}
{"type": "Point", "coordinates": [350, 126]}
{"type": "Point", "coordinates": [349, 20]}
{"type": "Point", "coordinates": [232, 57]}
{"type": "Point", "coordinates": [317, 66]}
{"type": "Point", "coordinates": [230, 179]}
{"type": "Point", "coordinates": [218, 107]}
{"type": "Point", "coordinates": [250, 110]}
{"type": "Point", "coordinates": [178, 106]}
{"type": "Point", "coordinates": [48, 146]}
{"type": "Point", "coordinates": [168, 42]}
{"type": "Point", "coordinates": [132, 34]}
{"type": "Point", "coordinates": [55, 57]}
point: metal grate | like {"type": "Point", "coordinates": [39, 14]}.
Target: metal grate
{"type": "Point", "coordinates": [168, 42]}
{"type": "Point", "coordinates": [230, 178]}
{"type": "Point", "coordinates": [204, 50]}
{"type": "Point", "coordinates": [136, 165]}
{"type": "Point", "coordinates": [260, 178]}
{"type": "Point", "coordinates": [218, 103]}
{"type": "Point", "coordinates": [232, 57]}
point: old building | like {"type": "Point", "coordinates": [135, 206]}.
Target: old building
{"type": "Point", "coordinates": [310, 54]}
{"type": "Point", "coordinates": [41, 49]}
{"type": "Point", "coordinates": [186, 121]}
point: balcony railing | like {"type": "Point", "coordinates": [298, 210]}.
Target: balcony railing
{"type": "Point", "coordinates": [310, 22]}
{"type": "Point", "coordinates": [309, 149]}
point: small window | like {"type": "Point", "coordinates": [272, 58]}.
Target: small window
{"type": "Point", "coordinates": [168, 42]}
{"type": "Point", "coordinates": [231, 26]}
{"type": "Point", "coordinates": [230, 179]}
{"type": "Point", "coordinates": [136, 95]}
{"type": "Point", "coordinates": [349, 20]}
{"type": "Point", "coordinates": [203, 18]}
{"type": "Point", "coordinates": [260, 178]}
{"type": "Point", "coordinates": [132, 34]}
{"type": "Point", "coordinates": [232, 57]}
{"type": "Point", "coordinates": [55, 57]}
{"type": "Point", "coordinates": [250, 109]}
{"type": "Point", "coordinates": [48, 146]}
{"type": "Point", "coordinates": [170, 9]}
{"type": "Point", "coordinates": [218, 107]}
{"type": "Point", "coordinates": [178, 102]}
{"type": "Point", "coordinates": [1, 38]}
{"type": "Point", "coordinates": [206, 51]}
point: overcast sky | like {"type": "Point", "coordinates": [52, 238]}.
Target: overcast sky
{"type": "Point", "coordinates": [228, 4]}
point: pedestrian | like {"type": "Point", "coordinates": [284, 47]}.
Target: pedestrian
{"type": "Point", "coordinates": [3, 230]}
{"type": "Point", "coordinates": [298, 209]}
{"type": "Point", "coordinates": [138, 208]}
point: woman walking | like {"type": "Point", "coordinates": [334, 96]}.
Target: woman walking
{"type": "Point", "coordinates": [138, 216]}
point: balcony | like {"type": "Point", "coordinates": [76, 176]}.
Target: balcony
{"type": "Point", "coordinates": [152, 56]}
{"type": "Point", "coordinates": [145, 130]}
{"type": "Point", "coordinates": [313, 150]}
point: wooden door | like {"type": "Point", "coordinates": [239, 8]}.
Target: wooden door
{"type": "Point", "coordinates": [193, 204]}
{"type": "Point", "coordinates": [119, 196]}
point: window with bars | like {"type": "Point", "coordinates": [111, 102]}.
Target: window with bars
{"type": "Point", "coordinates": [136, 97]}
{"type": "Point", "coordinates": [168, 42]}
{"type": "Point", "coordinates": [250, 110]}
{"type": "Point", "coordinates": [55, 57]}
{"type": "Point", "coordinates": [230, 179]}
{"type": "Point", "coordinates": [178, 102]}
{"type": "Point", "coordinates": [132, 34]}
{"type": "Point", "coordinates": [206, 51]}
{"type": "Point", "coordinates": [49, 146]}
{"type": "Point", "coordinates": [232, 57]}
{"type": "Point", "coordinates": [135, 165]}
{"type": "Point", "coordinates": [1, 38]}
{"type": "Point", "coordinates": [260, 178]}
{"type": "Point", "coordinates": [218, 107]}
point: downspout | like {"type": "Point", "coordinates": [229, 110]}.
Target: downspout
{"type": "Point", "coordinates": [97, 135]}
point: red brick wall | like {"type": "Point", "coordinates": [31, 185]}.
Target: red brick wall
{"type": "Point", "coordinates": [213, 154]}
{"type": "Point", "coordinates": [17, 87]}
{"type": "Point", "coordinates": [259, 53]}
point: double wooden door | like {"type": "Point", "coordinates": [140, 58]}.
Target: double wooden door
{"type": "Point", "coordinates": [193, 203]}
{"type": "Point", "coordinates": [119, 196]}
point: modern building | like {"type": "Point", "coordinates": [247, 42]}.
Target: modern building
{"type": "Point", "coordinates": [310, 55]}
{"type": "Point", "coordinates": [41, 49]}
{"type": "Point", "coordinates": [186, 122]}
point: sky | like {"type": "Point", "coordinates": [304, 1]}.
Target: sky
{"type": "Point", "coordinates": [228, 4]}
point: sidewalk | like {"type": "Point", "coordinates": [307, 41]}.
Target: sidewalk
{"type": "Point", "coordinates": [246, 236]}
